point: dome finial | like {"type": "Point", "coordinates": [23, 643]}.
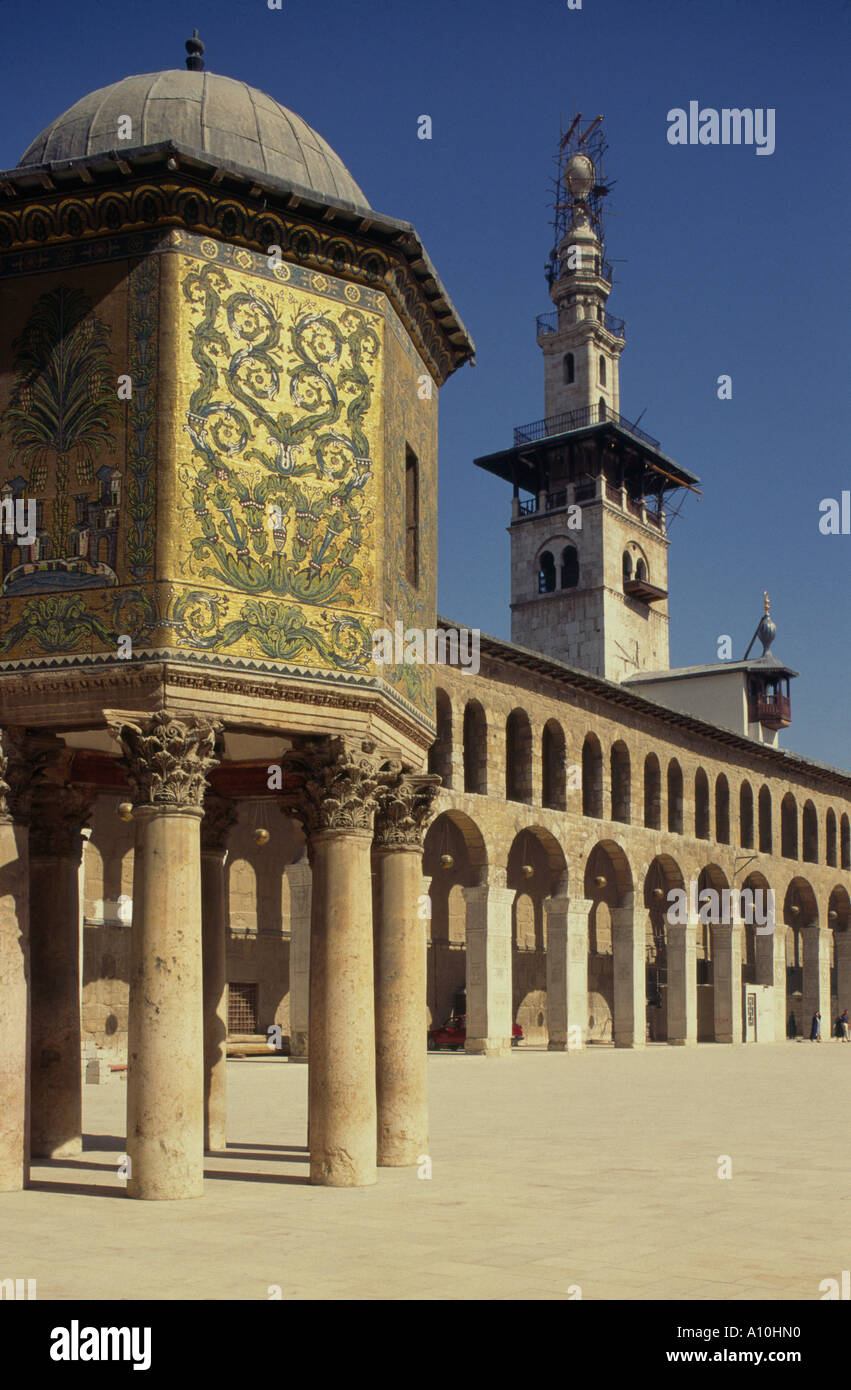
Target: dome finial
{"type": "Point", "coordinates": [195, 48]}
{"type": "Point", "coordinates": [766, 632]}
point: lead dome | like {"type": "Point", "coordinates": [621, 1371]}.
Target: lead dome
{"type": "Point", "coordinates": [218, 117]}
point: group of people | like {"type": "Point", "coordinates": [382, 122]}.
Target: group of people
{"type": "Point", "coordinates": [840, 1030]}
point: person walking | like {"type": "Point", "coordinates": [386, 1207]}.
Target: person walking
{"type": "Point", "coordinates": [815, 1029]}
{"type": "Point", "coordinates": [843, 1019]}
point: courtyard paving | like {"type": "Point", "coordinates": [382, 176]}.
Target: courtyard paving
{"type": "Point", "coordinates": [551, 1173]}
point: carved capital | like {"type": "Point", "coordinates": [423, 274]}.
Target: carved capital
{"type": "Point", "coordinates": [339, 779]}
{"type": "Point", "coordinates": [404, 808]}
{"type": "Point", "coordinates": [58, 815]}
{"type": "Point", "coordinates": [168, 759]}
{"type": "Point", "coordinates": [23, 760]}
{"type": "Point", "coordinates": [219, 815]}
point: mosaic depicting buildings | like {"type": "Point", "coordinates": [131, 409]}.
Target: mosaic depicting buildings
{"type": "Point", "coordinates": [219, 371]}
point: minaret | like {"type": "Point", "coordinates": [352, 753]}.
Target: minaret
{"type": "Point", "coordinates": [589, 564]}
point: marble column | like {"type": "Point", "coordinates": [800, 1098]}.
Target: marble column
{"type": "Point", "coordinates": [167, 761]}
{"type": "Point", "coordinates": [336, 806]}
{"type": "Point", "coordinates": [682, 983]}
{"type": "Point", "coordinates": [726, 943]}
{"type": "Point", "coordinates": [14, 976]}
{"type": "Point", "coordinates": [56, 846]}
{"type": "Point", "coordinates": [219, 815]}
{"type": "Point", "coordinates": [842, 958]}
{"type": "Point", "coordinates": [489, 1015]}
{"type": "Point", "coordinates": [629, 950]}
{"type": "Point", "coordinates": [567, 972]}
{"type": "Point", "coordinates": [815, 994]}
{"type": "Point", "coordinates": [400, 970]}
{"type": "Point", "coordinates": [299, 876]}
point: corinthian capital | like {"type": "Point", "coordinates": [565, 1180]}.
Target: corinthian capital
{"type": "Point", "coordinates": [339, 779]}
{"type": "Point", "coordinates": [404, 808]}
{"type": "Point", "coordinates": [58, 815]}
{"type": "Point", "coordinates": [23, 759]}
{"type": "Point", "coordinates": [168, 759]}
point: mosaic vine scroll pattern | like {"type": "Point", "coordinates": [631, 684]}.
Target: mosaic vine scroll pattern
{"type": "Point", "coordinates": [280, 492]}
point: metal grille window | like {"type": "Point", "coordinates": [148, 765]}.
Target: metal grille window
{"type": "Point", "coordinates": [242, 1008]}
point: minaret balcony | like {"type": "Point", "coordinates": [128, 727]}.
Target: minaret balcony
{"type": "Point", "coordinates": [548, 323]}
{"type": "Point", "coordinates": [579, 419]}
{"type": "Point", "coordinates": [774, 711]}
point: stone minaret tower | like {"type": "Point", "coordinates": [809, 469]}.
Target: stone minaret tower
{"type": "Point", "coordinates": [589, 569]}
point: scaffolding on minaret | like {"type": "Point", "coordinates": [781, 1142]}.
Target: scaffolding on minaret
{"type": "Point", "coordinates": [579, 139]}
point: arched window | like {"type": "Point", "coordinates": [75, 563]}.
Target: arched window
{"type": "Point", "coordinates": [627, 566]}
{"type": "Point", "coordinates": [602, 370]}
{"type": "Point", "coordinates": [830, 839]}
{"type": "Point", "coordinates": [440, 753]}
{"type": "Point", "coordinates": [675, 797]}
{"type": "Point", "coordinates": [641, 570]}
{"type": "Point", "coordinates": [546, 573]}
{"type": "Point", "coordinates": [810, 833]}
{"type": "Point", "coordinates": [518, 757]}
{"type": "Point", "coordinates": [722, 810]}
{"type": "Point", "coordinates": [652, 793]}
{"type": "Point", "coordinates": [569, 567]}
{"type": "Point", "coordinates": [746, 816]}
{"type": "Point", "coordinates": [701, 805]}
{"type": "Point", "coordinates": [621, 783]}
{"type": "Point", "coordinates": [592, 777]}
{"type": "Point", "coordinates": [569, 370]}
{"type": "Point", "coordinates": [602, 409]}
{"type": "Point", "coordinates": [552, 766]}
{"type": "Point", "coordinates": [475, 749]}
{"type": "Point", "coordinates": [845, 843]}
{"type": "Point", "coordinates": [765, 838]}
{"type": "Point", "coordinates": [789, 827]}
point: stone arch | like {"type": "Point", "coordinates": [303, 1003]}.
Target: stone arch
{"type": "Point", "coordinates": [830, 838]}
{"type": "Point", "coordinates": [455, 837]}
{"type": "Point", "coordinates": [569, 575]}
{"type": "Point", "coordinates": [553, 770]}
{"type": "Point", "coordinates": [652, 793]}
{"type": "Point", "coordinates": [546, 571]}
{"type": "Point", "coordinates": [839, 910]}
{"type": "Point", "coordinates": [800, 914]}
{"type": "Point", "coordinates": [440, 752]}
{"type": "Point", "coordinates": [746, 816]}
{"type": "Point", "coordinates": [809, 834]}
{"type": "Point", "coordinates": [701, 805]}
{"type": "Point", "coordinates": [789, 827]}
{"type": "Point", "coordinates": [754, 908]}
{"type": "Point", "coordinates": [621, 782]}
{"type": "Point", "coordinates": [592, 777]}
{"type": "Point", "coordinates": [518, 757]}
{"type": "Point", "coordinates": [608, 886]}
{"type": "Point", "coordinates": [475, 749]}
{"type": "Point", "coordinates": [765, 832]}
{"type": "Point", "coordinates": [536, 869]}
{"type": "Point", "coordinates": [662, 877]}
{"type": "Point", "coordinates": [722, 809]}
{"type": "Point", "coordinates": [845, 843]}
{"type": "Point", "coordinates": [675, 797]}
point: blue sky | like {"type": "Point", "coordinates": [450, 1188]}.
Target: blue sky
{"type": "Point", "coordinates": [727, 262]}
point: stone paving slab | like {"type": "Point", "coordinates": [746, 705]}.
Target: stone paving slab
{"type": "Point", "coordinates": [550, 1171]}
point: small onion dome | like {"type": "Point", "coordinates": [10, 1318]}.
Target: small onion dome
{"type": "Point", "coordinates": [125, 810]}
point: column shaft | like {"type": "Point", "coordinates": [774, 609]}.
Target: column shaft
{"type": "Point", "coordinates": [842, 956]}
{"type": "Point", "coordinates": [214, 916]}
{"type": "Point", "coordinates": [342, 1096]}
{"type": "Point", "coordinates": [489, 1019]}
{"type": "Point", "coordinates": [629, 952]}
{"type": "Point", "coordinates": [567, 972]}
{"type": "Point", "coordinates": [727, 981]}
{"type": "Point", "coordinates": [56, 1095]}
{"type": "Point", "coordinates": [400, 1009]}
{"type": "Point", "coordinates": [14, 1005]}
{"type": "Point", "coordinates": [300, 890]}
{"type": "Point", "coordinates": [682, 983]}
{"type": "Point", "coordinates": [165, 1082]}
{"type": "Point", "coordinates": [815, 994]}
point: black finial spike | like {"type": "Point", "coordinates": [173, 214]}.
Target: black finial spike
{"type": "Point", "coordinates": [195, 48]}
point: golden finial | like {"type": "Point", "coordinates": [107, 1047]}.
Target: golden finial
{"type": "Point", "coordinates": [766, 602]}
